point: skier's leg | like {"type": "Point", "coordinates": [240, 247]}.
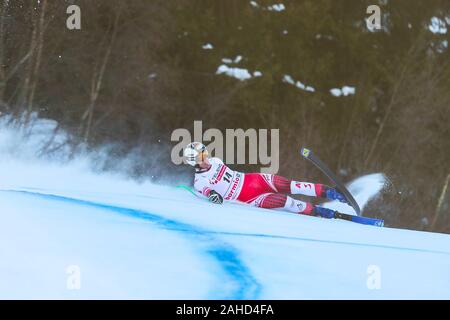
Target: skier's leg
{"type": "Point", "coordinates": [255, 185]}
{"type": "Point", "coordinates": [295, 187]}
{"type": "Point", "coordinates": [284, 185]}
{"type": "Point", "coordinates": [282, 201]}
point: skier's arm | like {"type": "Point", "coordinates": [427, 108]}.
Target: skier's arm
{"type": "Point", "coordinates": [202, 187]}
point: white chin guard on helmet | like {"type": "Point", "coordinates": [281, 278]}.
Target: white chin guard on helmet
{"type": "Point", "coordinates": [194, 153]}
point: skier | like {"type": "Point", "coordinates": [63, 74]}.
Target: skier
{"type": "Point", "coordinates": [217, 182]}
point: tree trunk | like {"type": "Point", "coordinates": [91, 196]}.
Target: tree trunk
{"type": "Point", "coordinates": [37, 64]}
{"type": "Point", "coordinates": [2, 50]}
{"type": "Point", "coordinates": [97, 81]}
{"type": "Point", "coordinates": [440, 201]}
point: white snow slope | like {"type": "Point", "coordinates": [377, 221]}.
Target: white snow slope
{"type": "Point", "coordinates": [145, 241]}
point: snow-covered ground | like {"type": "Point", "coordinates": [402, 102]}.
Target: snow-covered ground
{"type": "Point", "coordinates": [129, 240]}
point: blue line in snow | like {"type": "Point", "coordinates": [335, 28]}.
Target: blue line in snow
{"type": "Point", "coordinates": [246, 286]}
{"type": "Point", "coordinates": [356, 244]}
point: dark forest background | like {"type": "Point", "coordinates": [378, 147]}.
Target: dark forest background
{"type": "Point", "coordinates": [137, 70]}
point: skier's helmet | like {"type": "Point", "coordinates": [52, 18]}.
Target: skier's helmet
{"type": "Point", "coordinates": [195, 153]}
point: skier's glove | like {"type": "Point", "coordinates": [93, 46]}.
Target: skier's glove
{"type": "Point", "coordinates": [214, 197]}
{"type": "Point", "coordinates": [333, 194]}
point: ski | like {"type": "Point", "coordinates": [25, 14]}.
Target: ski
{"type": "Point", "coordinates": [187, 188]}
{"type": "Point", "coordinates": [308, 154]}
{"type": "Point", "coordinates": [359, 219]}
{"type": "Point", "coordinates": [338, 215]}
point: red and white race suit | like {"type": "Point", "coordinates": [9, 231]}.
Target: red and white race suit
{"type": "Point", "coordinates": [258, 189]}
